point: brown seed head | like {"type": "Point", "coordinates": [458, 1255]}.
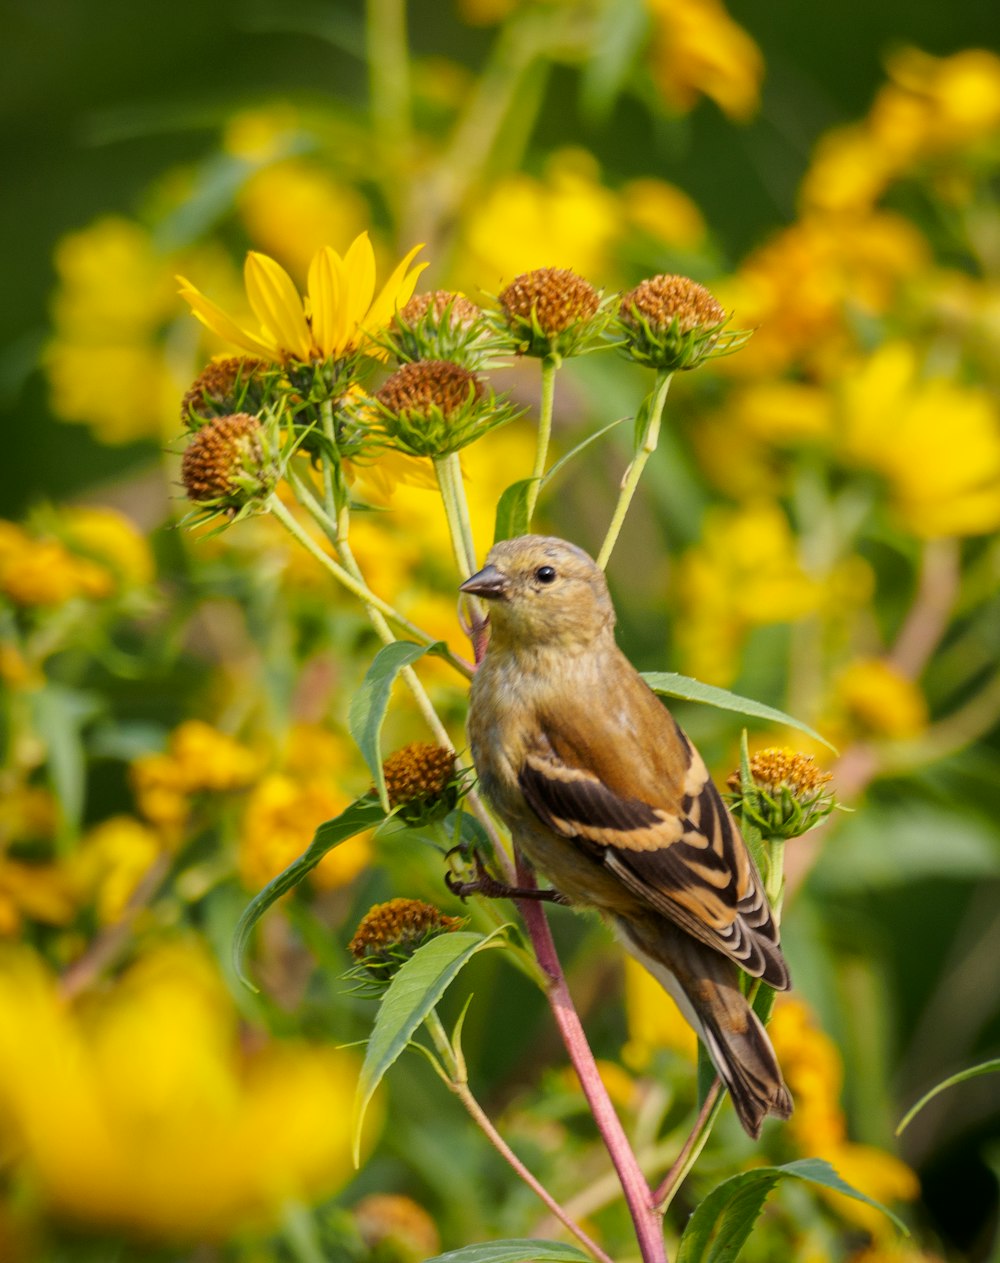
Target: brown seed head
{"type": "Point", "coordinates": [554, 298]}
{"type": "Point", "coordinates": [661, 300]}
{"type": "Point", "coordinates": [430, 385]}
{"type": "Point", "coordinates": [418, 773]}
{"type": "Point", "coordinates": [398, 928]}
{"type": "Point", "coordinates": [219, 453]}
{"type": "Point", "coordinates": [774, 769]}
{"type": "Point", "coordinates": [396, 1227]}
{"type": "Point", "coordinates": [440, 302]}
{"type": "Point", "coordinates": [220, 388]}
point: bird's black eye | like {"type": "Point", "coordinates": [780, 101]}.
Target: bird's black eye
{"type": "Point", "coordinates": [545, 574]}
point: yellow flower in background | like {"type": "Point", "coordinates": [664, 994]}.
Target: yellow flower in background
{"type": "Point", "coordinates": [937, 104]}
{"type": "Point", "coordinates": [654, 1020]}
{"type": "Point", "coordinates": [292, 208]}
{"type": "Point", "coordinates": [42, 571]}
{"type": "Point", "coordinates": [41, 892]}
{"type": "Point", "coordinates": [262, 134]}
{"type": "Point", "coordinates": [199, 758]}
{"type": "Point", "coordinates": [874, 699]}
{"type": "Point", "coordinates": [282, 814]}
{"type": "Point", "coordinates": [141, 1110]}
{"type": "Point", "coordinates": [813, 1070]}
{"type": "Point", "coordinates": [109, 537]}
{"type": "Point", "coordinates": [744, 573]}
{"type": "Point", "coordinates": [566, 219]}
{"type": "Point", "coordinates": [340, 312]}
{"type": "Point", "coordinates": [849, 171]}
{"type": "Point", "coordinates": [935, 441]}
{"type": "Point", "coordinates": [112, 860]}
{"type": "Point", "coordinates": [664, 212]}
{"type": "Point", "coordinates": [697, 49]}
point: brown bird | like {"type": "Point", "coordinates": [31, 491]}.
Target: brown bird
{"type": "Point", "coordinates": [606, 796]}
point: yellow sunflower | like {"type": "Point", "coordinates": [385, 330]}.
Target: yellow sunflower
{"type": "Point", "coordinates": [339, 312]}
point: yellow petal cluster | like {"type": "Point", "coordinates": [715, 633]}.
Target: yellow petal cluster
{"type": "Point", "coordinates": [340, 311]}
{"type": "Point", "coordinates": [698, 50]}
{"type": "Point", "coordinates": [142, 1112]}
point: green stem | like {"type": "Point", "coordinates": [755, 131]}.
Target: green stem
{"type": "Point", "coordinates": [449, 475]}
{"type": "Point", "coordinates": [650, 437]}
{"type": "Point", "coordinates": [389, 73]}
{"type": "Point", "coordinates": [357, 587]}
{"type": "Point", "coordinates": [549, 365]}
{"type": "Point", "coordinates": [454, 1065]}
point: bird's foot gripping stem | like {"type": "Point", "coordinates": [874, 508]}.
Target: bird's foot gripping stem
{"type": "Point", "coordinates": [490, 887]}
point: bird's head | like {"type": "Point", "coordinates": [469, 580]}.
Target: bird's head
{"type": "Point", "coordinates": [543, 591]}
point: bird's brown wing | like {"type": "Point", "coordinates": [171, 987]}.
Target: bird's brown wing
{"type": "Point", "coordinates": [690, 863]}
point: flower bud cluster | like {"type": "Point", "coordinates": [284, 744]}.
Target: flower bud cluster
{"type": "Point", "coordinates": [789, 794]}
{"type": "Point", "coordinates": [390, 933]}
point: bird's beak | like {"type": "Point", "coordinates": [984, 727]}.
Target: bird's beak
{"type": "Point", "coordinates": [488, 582]}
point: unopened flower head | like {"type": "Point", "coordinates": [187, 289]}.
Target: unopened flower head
{"type": "Point", "coordinates": [390, 933]}
{"type": "Point", "coordinates": [552, 311]}
{"type": "Point", "coordinates": [435, 407]}
{"type": "Point", "coordinates": [789, 796]}
{"type": "Point", "coordinates": [438, 325]}
{"type": "Point", "coordinates": [672, 322]}
{"type": "Point", "coordinates": [395, 1228]}
{"type": "Point", "coordinates": [421, 781]}
{"type": "Point", "coordinates": [224, 387]}
{"type": "Point", "coordinates": [228, 465]}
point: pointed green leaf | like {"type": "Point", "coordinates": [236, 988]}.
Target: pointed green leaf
{"type": "Point", "coordinates": [413, 992]}
{"type": "Point", "coordinates": [670, 684]}
{"type": "Point", "coordinates": [363, 814]}
{"type": "Point", "coordinates": [512, 510]}
{"type": "Point", "coordinates": [60, 715]}
{"type": "Point", "coordinates": [985, 1067]}
{"type": "Point", "coordinates": [525, 1250]}
{"type": "Point", "coordinates": [721, 1224]}
{"type": "Point", "coordinates": [369, 704]}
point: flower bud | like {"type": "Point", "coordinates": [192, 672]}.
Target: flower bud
{"type": "Point", "coordinates": [390, 933]}
{"type": "Point", "coordinates": [789, 796]}
{"type": "Point", "coordinates": [226, 464]}
{"type": "Point", "coordinates": [552, 311]}
{"type": "Point", "coordinates": [222, 388]}
{"type": "Point", "coordinates": [671, 323]}
{"type": "Point", "coordinates": [435, 407]}
{"type": "Point", "coordinates": [421, 781]}
{"type": "Point", "coordinates": [438, 325]}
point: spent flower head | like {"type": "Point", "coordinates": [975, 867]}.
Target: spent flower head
{"type": "Point", "coordinates": [438, 325]}
{"type": "Point", "coordinates": [422, 781]}
{"type": "Point", "coordinates": [225, 386]}
{"type": "Point", "coordinates": [229, 466]}
{"type": "Point", "coordinates": [435, 407]}
{"type": "Point", "coordinates": [789, 794]}
{"type": "Point", "coordinates": [552, 311]}
{"type": "Point", "coordinates": [390, 933]}
{"type": "Point", "coordinates": [671, 323]}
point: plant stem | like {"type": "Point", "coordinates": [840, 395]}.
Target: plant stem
{"type": "Point", "coordinates": [459, 1084]}
{"type": "Point", "coordinates": [645, 1217]}
{"type": "Point", "coordinates": [358, 587]}
{"type": "Point", "coordinates": [549, 365]}
{"type": "Point", "coordinates": [389, 74]}
{"type": "Point", "coordinates": [449, 475]}
{"type": "Point", "coordinates": [650, 437]}
{"type": "Point", "coordinates": [692, 1147]}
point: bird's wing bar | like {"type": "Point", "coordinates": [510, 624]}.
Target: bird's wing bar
{"type": "Point", "coordinates": [687, 867]}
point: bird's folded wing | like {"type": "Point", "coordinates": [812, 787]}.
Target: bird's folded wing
{"type": "Point", "coordinates": [690, 865]}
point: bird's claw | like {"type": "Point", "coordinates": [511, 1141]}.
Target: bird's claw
{"type": "Point", "coordinates": [490, 887]}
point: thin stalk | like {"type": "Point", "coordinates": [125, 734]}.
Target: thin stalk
{"type": "Point", "coordinates": [650, 437]}
{"type": "Point", "coordinates": [357, 587]}
{"type": "Point", "coordinates": [549, 365]}
{"type": "Point", "coordinates": [458, 1081]}
{"type": "Point", "coordinates": [389, 72]}
{"type": "Point", "coordinates": [645, 1217]}
{"type": "Point", "coordinates": [449, 475]}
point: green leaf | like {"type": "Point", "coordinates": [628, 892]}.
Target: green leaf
{"type": "Point", "coordinates": [368, 706]}
{"type": "Point", "coordinates": [985, 1067]}
{"type": "Point", "coordinates": [575, 451]}
{"type": "Point", "coordinates": [622, 31]}
{"type": "Point", "coordinates": [409, 998]}
{"type": "Point", "coordinates": [363, 814]}
{"type": "Point", "coordinates": [670, 684]}
{"type": "Point", "coordinates": [721, 1224]}
{"type": "Point", "coordinates": [60, 715]}
{"type": "Point", "coordinates": [512, 510]}
{"type": "Point", "coordinates": [518, 1250]}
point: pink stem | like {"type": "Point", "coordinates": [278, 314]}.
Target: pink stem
{"type": "Point", "coordinates": [648, 1222]}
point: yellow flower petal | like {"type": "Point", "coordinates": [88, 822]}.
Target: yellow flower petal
{"type": "Point", "coordinates": [395, 293]}
{"type": "Point", "coordinates": [277, 305]}
{"type": "Point", "coordinates": [359, 271]}
{"type": "Point", "coordinates": [214, 318]}
{"type": "Point", "coordinates": [326, 285]}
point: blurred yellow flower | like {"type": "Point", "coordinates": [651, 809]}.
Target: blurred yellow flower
{"type": "Point", "coordinates": [140, 1111]}
{"type": "Point", "coordinates": [936, 104]}
{"type": "Point", "coordinates": [745, 573]}
{"type": "Point", "coordinates": [874, 699]}
{"type": "Point", "coordinates": [42, 892]}
{"type": "Point", "coordinates": [697, 49]}
{"type": "Point", "coordinates": [934, 440]}
{"type": "Point", "coordinates": [292, 208]}
{"type": "Point", "coordinates": [42, 571]}
{"type": "Point", "coordinates": [109, 537]}
{"type": "Point", "coordinates": [112, 860]}
{"type": "Point", "coordinates": [282, 814]}
{"type": "Point", "coordinates": [664, 212]}
{"type": "Point", "coordinates": [262, 134]}
{"type": "Point", "coordinates": [566, 219]}
{"type": "Point", "coordinates": [212, 760]}
{"type": "Point", "coordinates": [340, 312]}
{"type": "Point", "coordinates": [654, 1020]}
{"type": "Point", "coordinates": [813, 1070]}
